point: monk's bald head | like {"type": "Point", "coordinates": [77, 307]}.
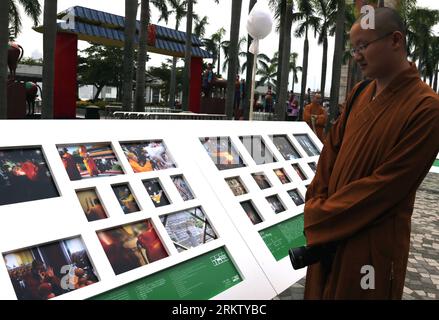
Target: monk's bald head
{"type": "Point", "coordinates": [387, 21]}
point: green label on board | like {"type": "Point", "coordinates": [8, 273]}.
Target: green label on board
{"type": "Point", "coordinates": [283, 236]}
{"type": "Point", "coordinates": [200, 278]}
{"type": "Point", "coordinates": [436, 163]}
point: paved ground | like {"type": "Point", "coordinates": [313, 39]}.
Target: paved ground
{"type": "Point", "coordinates": [422, 279]}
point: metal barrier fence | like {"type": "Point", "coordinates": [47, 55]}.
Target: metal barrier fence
{"type": "Point", "coordinates": [167, 116]}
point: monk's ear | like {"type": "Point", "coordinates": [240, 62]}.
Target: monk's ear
{"type": "Point", "coordinates": [398, 40]}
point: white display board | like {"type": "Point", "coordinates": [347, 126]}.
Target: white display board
{"type": "Point", "coordinates": [35, 223]}
{"type": "Point", "coordinates": [279, 271]}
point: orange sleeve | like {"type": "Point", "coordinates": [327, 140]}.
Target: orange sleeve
{"type": "Point", "coordinates": [307, 114]}
{"type": "Point", "coordinates": [321, 118]}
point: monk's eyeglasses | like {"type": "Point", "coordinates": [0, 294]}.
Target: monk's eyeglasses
{"type": "Point", "coordinates": [360, 49]}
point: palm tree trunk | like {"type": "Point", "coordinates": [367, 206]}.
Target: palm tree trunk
{"type": "Point", "coordinates": [233, 56]}
{"type": "Point", "coordinates": [304, 73]}
{"type": "Point", "coordinates": [173, 83]}
{"type": "Point", "coordinates": [49, 43]}
{"type": "Point", "coordinates": [336, 66]}
{"type": "Point", "coordinates": [4, 35]}
{"type": "Point", "coordinates": [248, 77]}
{"type": "Point", "coordinates": [142, 54]}
{"type": "Point", "coordinates": [292, 86]}
{"type": "Point", "coordinates": [285, 70]}
{"type": "Point", "coordinates": [219, 58]}
{"type": "Point", "coordinates": [283, 4]}
{"type": "Point", "coordinates": [171, 103]}
{"type": "Point", "coordinates": [188, 56]}
{"type": "Point", "coordinates": [128, 57]}
{"type": "Point", "coordinates": [324, 66]}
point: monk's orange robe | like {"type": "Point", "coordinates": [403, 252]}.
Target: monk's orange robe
{"type": "Point", "coordinates": [364, 190]}
{"type": "Point", "coordinates": [319, 111]}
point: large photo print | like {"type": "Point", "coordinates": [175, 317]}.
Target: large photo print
{"type": "Point", "coordinates": [25, 176]}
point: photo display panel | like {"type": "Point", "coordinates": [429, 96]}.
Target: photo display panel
{"type": "Point", "coordinates": [435, 167]}
{"type": "Point", "coordinates": [123, 213]}
{"type": "Point", "coordinates": [265, 198]}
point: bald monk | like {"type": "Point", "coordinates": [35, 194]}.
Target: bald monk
{"type": "Point", "coordinates": [315, 115]}
{"type": "Point", "coordinates": [362, 196]}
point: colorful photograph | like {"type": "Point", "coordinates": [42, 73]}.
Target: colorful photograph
{"type": "Point", "coordinates": [285, 147]}
{"type": "Point", "coordinates": [255, 145]}
{"type": "Point", "coordinates": [307, 144]}
{"type": "Point", "coordinates": [282, 175]}
{"type": "Point", "coordinates": [299, 171]}
{"type": "Point", "coordinates": [251, 212]}
{"type": "Point", "coordinates": [89, 160]}
{"type": "Point", "coordinates": [296, 197]}
{"type": "Point", "coordinates": [126, 198]}
{"type": "Point", "coordinates": [275, 204]}
{"type": "Point", "coordinates": [50, 270]}
{"type": "Point", "coordinates": [91, 204]}
{"type": "Point", "coordinates": [25, 176]}
{"type": "Point", "coordinates": [132, 246]}
{"type": "Point", "coordinates": [148, 156]}
{"type": "Point", "coordinates": [222, 153]}
{"type": "Point", "coordinates": [188, 229]}
{"type": "Point", "coordinates": [313, 166]}
{"type": "Point", "coordinates": [236, 186]}
{"type": "Point", "coordinates": [156, 192]}
{"type": "Point", "coordinates": [183, 187]}
{"type": "Point", "coordinates": [261, 180]}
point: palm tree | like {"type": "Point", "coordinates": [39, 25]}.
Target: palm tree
{"type": "Point", "coordinates": [187, 55]}
{"type": "Point", "coordinates": [4, 36]}
{"type": "Point", "coordinates": [233, 54]}
{"type": "Point", "coordinates": [294, 68]}
{"type": "Point", "coordinates": [241, 53]}
{"type": "Point", "coordinates": [339, 50]}
{"type": "Point", "coordinates": [217, 38]}
{"type": "Point", "coordinates": [141, 56]}
{"type": "Point", "coordinates": [262, 62]}
{"type": "Point", "coordinates": [328, 13]}
{"type": "Point", "coordinates": [145, 14]}
{"type": "Point", "coordinates": [49, 43]}
{"type": "Point", "coordinates": [249, 75]}
{"type": "Point", "coordinates": [306, 15]}
{"type": "Point", "coordinates": [178, 8]}
{"type": "Point", "coordinates": [268, 74]}
{"type": "Point", "coordinates": [32, 9]}
{"type": "Point", "coordinates": [420, 34]}
{"type": "Point", "coordinates": [200, 27]}
{"type": "Point", "coordinates": [128, 70]}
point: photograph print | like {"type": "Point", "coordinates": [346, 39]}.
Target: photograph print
{"type": "Point", "coordinates": [222, 152]}
{"type": "Point", "coordinates": [251, 212]}
{"type": "Point", "coordinates": [307, 144]}
{"type": "Point", "coordinates": [132, 246]}
{"type": "Point", "coordinates": [299, 171]}
{"type": "Point", "coordinates": [89, 160]}
{"type": "Point", "coordinates": [183, 187]}
{"type": "Point", "coordinates": [50, 270]}
{"type": "Point", "coordinates": [285, 147]}
{"type": "Point", "coordinates": [126, 198]}
{"type": "Point", "coordinates": [282, 175]}
{"type": "Point", "coordinates": [235, 184]}
{"type": "Point", "coordinates": [148, 156]}
{"type": "Point", "coordinates": [255, 145]}
{"type": "Point", "coordinates": [296, 197]}
{"type": "Point", "coordinates": [91, 205]}
{"type": "Point", "coordinates": [156, 192]}
{"type": "Point", "coordinates": [188, 229]}
{"type": "Point", "coordinates": [261, 180]}
{"type": "Point", "coordinates": [25, 176]}
{"type": "Point", "coordinates": [275, 204]}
